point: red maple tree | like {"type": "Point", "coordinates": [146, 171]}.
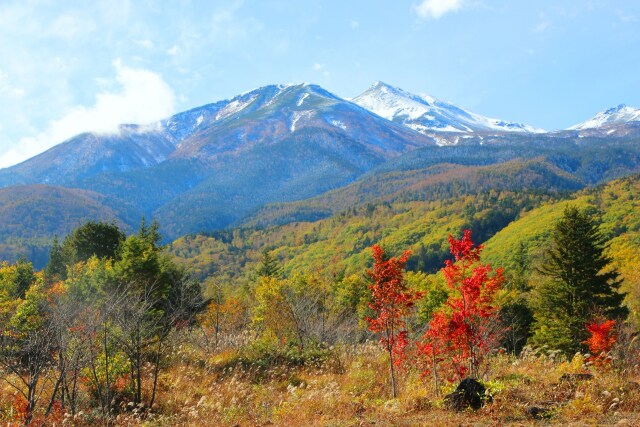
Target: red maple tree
{"type": "Point", "coordinates": [391, 301]}
{"type": "Point", "coordinates": [466, 328]}
{"type": "Point", "coordinates": [601, 341]}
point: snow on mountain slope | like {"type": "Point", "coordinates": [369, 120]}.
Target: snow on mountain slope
{"type": "Point", "coordinates": [426, 114]}
{"type": "Point", "coordinates": [270, 114]}
{"type": "Point", "coordinates": [615, 115]}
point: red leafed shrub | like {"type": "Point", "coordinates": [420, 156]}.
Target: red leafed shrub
{"type": "Point", "coordinates": [466, 328]}
{"type": "Point", "coordinates": [391, 302]}
{"type": "Point", "coordinates": [601, 341]}
{"type": "Point", "coordinates": [20, 408]}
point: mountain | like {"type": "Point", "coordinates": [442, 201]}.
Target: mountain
{"type": "Point", "coordinates": [426, 114]}
{"type": "Point", "coordinates": [437, 182]}
{"type": "Point", "coordinates": [613, 116]}
{"type": "Point", "coordinates": [279, 143]}
{"type": "Point", "coordinates": [286, 153]}
{"type": "Point", "coordinates": [272, 114]}
{"type": "Point", "coordinates": [89, 154]}
{"type": "Point", "coordinates": [211, 166]}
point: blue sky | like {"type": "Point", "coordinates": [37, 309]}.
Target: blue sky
{"type": "Point", "coordinates": [72, 66]}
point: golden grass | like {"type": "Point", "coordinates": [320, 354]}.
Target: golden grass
{"type": "Point", "coordinates": [195, 392]}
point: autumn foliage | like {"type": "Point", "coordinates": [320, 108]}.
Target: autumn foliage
{"type": "Point", "coordinates": [391, 301]}
{"type": "Point", "coordinates": [466, 328]}
{"type": "Point", "coordinates": [601, 340]}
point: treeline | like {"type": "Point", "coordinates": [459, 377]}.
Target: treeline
{"type": "Point", "coordinates": [90, 330]}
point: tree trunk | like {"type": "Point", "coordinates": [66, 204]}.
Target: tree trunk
{"type": "Point", "coordinates": [435, 374]}
{"type": "Point", "coordinates": [393, 377]}
{"type": "Point", "coordinates": [156, 372]}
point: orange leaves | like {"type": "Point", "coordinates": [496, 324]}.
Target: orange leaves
{"type": "Point", "coordinates": [391, 301]}
{"type": "Point", "coordinates": [463, 332]}
{"type": "Point", "coordinates": [601, 341]}
{"type": "Point", "coordinates": [463, 249]}
{"type": "Point", "coordinates": [20, 407]}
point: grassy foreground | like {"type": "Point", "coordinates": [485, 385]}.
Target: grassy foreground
{"type": "Point", "coordinates": [347, 386]}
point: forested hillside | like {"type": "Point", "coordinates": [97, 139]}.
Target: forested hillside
{"type": "Point", "coordinates": [31, 215]}
{"type": "Point", "coordinates": [617, 204]}
{"type": "Point", "coordinates": [339, 244]}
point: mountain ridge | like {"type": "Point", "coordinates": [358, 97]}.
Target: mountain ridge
{"type": "Point", "coordinates": [219, 165]}
{"type": "Point", "coordinates": [613, 116]}
{"type": "Point", "coordinates": [427, 114]}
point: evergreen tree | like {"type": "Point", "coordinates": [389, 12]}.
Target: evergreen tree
{"type": "Point", "coordinates": [56, 268]}
{"type": "Point", "coordinates": [515, 312]}
{"type": "Point", "coordinates": [150, 233]}
{"type": "Point", "coordinates": [581, 284]}
{"type": "Point", "coordinates": [269, 266]}
{"type": "Point", "coordinates": [25, 276]}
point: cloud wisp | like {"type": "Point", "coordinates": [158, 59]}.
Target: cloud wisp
{"type": "Point", "coordinates": [435, 9]}
{"type": "Point", "coordinates": [143, 97]}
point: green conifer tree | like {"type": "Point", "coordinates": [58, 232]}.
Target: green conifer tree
{"type": "Point", "coordinates": [581, 284]}
{"type": "Point", "coordinates": [56, 268]}
{"type": "Point", "coordinates": [269, 266]}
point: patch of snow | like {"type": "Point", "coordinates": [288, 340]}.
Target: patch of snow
{"type": "Point", "coordinates": [296, 116]}
{"type": "Point", "coordinates": [428, 98]}
{"type": "Point", "coordinates": [234, 107]}
{"type": "Point", "coordinates": [302, 98]}
{"type": "Point", "coordinates": [619, 114]}
{"type": "Point", "coordinates": [339, 124]}
{"type": "Point", "coordinates": [424, 129]}
{"type": "Point", "coordinates": [199, 120]}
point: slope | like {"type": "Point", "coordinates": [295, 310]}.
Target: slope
{"type": "Point", "coordinates": [417, 210]}
{"type": "Point", "coordinates": [439, 182]}
{"type": "Point", "coordinates": [31, 215]}
{"type": "Point", "coordinates": [618, 204]}
{"type": "Point", "coordinates": [211, 166]}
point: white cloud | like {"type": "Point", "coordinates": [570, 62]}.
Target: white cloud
{"type": "Point", "coordinates": [6, 88]}
{"type": "Point", "coordinates": [146, 43]}
{"type": "Point", "coordinates": [143, 98]}
{"type": "Point", "coordinates": [317, 66]}
{"type": "Point", "coordinates": [72, 26]}
{"type": "Point", "coordinates": [173, 50]}
{"type": "Point", "coordinates": [436, 8]}
{"type": "Point", "coordinates": [541, 27]}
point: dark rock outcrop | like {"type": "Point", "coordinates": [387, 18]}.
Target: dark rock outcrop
{"type": "Point", "coordinates": [470, 393]}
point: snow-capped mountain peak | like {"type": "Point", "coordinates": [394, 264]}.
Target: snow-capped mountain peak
{"type": "Point", "coordinates": [615, 115]}
{"type": "Point", "coordinates": [427, 114]}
